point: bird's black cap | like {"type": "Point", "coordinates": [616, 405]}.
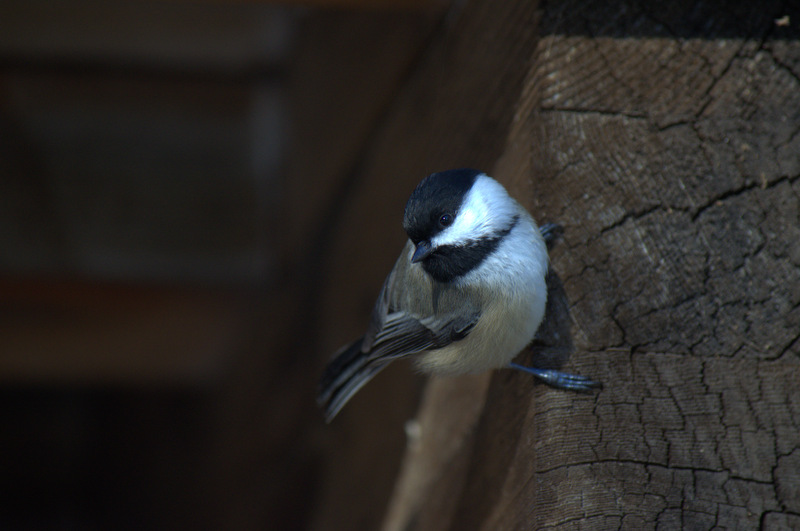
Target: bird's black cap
{"type": "Point", "coordinates": [438, 194]}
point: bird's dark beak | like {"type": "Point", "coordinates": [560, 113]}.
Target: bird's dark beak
{"type": "Point", "coordinates": [424, 250]}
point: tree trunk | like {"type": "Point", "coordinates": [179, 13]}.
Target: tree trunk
{"type": "Point", "coordinates": [666, 141]}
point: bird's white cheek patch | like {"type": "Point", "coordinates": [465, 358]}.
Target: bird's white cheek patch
{"type": "Point", "coordinates": [458, 232]}
{"type": "Point", "coordinates": [468, 227]}
{"type": "Point", "coordinates": [465, 224]}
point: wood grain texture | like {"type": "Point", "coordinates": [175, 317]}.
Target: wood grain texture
{"type": "Point", "coordinates": [666, 141]}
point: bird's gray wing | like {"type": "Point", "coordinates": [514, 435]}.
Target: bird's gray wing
{"type": "Point", "coordinates": [406, 321]}
{"type": "Point", "coordinates": [403, 322]}
{"type": "Point", "coordinates": [401, 336]}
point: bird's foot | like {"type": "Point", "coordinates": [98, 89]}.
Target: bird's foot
{"type": "Point", "coordinates": [560, 380]}
{"type": "Point", "coordinates": [551, 232]}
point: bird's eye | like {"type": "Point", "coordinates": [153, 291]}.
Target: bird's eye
{"type": "Point", "coordinates": [446, 220]}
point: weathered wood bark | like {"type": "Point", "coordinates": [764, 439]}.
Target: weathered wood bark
{"type": "Point", "coordinates": [667, 142]}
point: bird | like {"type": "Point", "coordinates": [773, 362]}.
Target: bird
{"type": "Point", "coordinates": [466, 294]}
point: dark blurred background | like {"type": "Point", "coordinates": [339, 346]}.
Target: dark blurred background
{"type": "Point", "coordinates": [171, 176]}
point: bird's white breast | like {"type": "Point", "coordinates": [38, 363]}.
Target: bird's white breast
{"type": "Point", "coordinates": [510, 284]}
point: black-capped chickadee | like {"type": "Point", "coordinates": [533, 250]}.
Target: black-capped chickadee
{"type": "Point", "coordinates": [466, 295]}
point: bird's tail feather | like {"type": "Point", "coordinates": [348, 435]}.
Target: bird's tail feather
{"type": "Point", "coordinates": [349, 370]}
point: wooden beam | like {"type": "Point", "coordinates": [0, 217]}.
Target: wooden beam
{"type": "Point", "coordinates": [76, 332]}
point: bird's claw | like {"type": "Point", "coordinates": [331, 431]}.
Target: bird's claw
{"type": "Point", "coordinates": [560, 380]}
{"type": "Point", "coordinates": [551, 232]}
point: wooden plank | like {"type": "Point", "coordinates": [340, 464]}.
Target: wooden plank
{"type": "Point", "coordinates": [77, 333]}
{"type": "Point", "coordinates": [368, 5]}
{"type": "Point", "coordinates": [347, 70]}
{"type": "Point", "coordinates": [171, 35]}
